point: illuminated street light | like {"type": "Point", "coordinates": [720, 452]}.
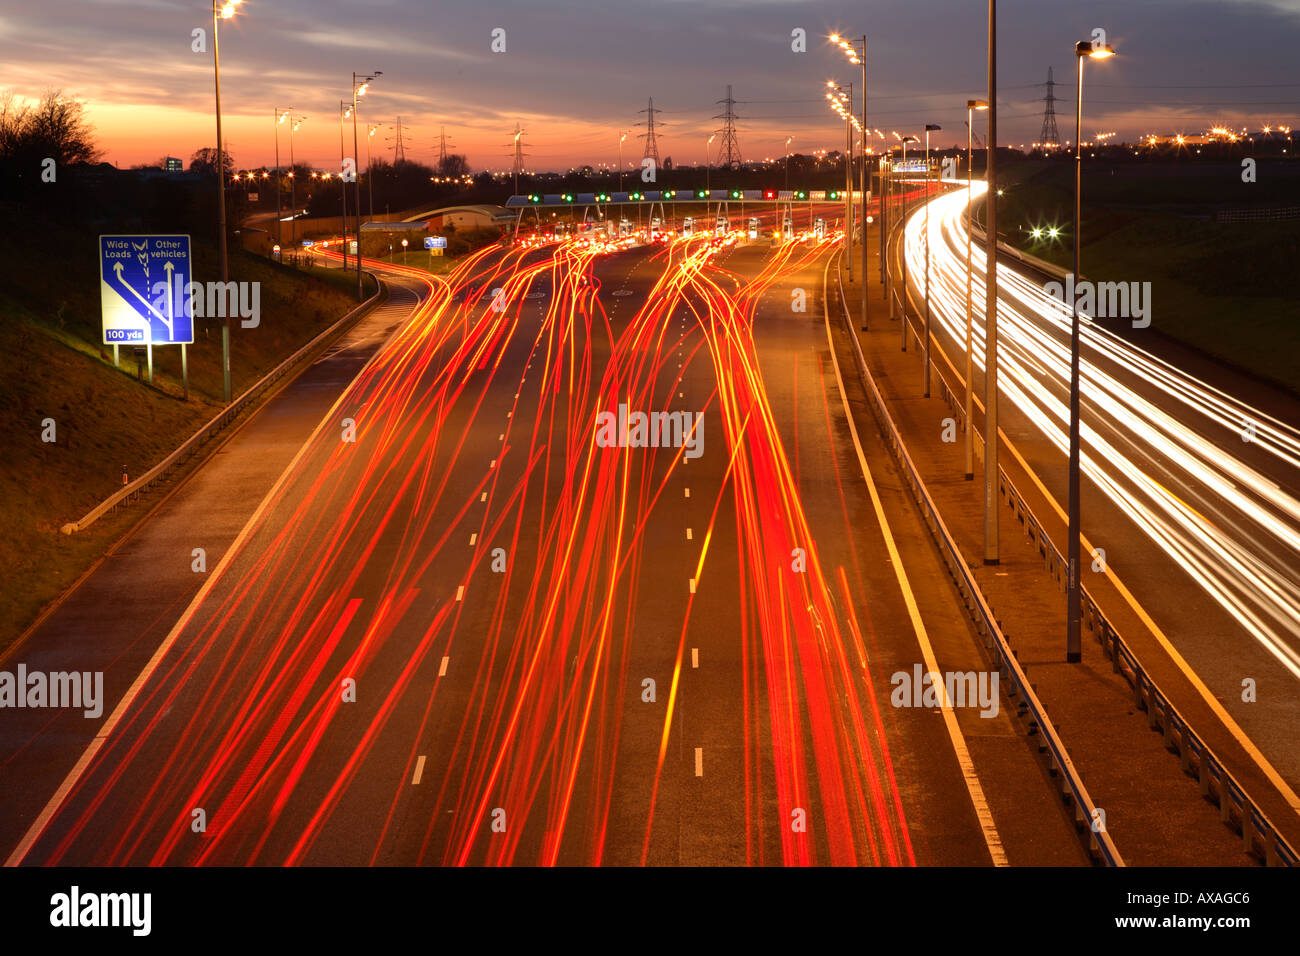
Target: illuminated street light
{"type": "Point", "coordinates": [294, 123]}
{"type": "Point", "coordinates": [929, 127]}
{"type": "Point", "coordinates": [225, 12]}
{"type": "Point", "coordinates": [345, 111]}
{"type": "Point", "coordinates": [991, 503]}
{"type": "Point", "coordinates": [971, 106]}
{"type": "Point", "coordinates": [837, 96]}
{"type": "Point", "coordinates": [359, 90]}
{"type": "Point", "coordinates": [856, 51]}
{"type": "Point", "coordinates": [1083, 50]}
{"type": "Point", "coordinates": [280, 117]}
{"type": "Point", "coordinates": [621, 137]}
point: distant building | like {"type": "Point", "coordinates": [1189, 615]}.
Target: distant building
{"type": "Point", "coordinates": [175, 165]}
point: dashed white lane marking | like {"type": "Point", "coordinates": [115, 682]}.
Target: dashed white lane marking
{"type": "Point", "coordinates": [695, 657]}
{"type": "Point", "coordinates": [688, 492]}
{"type": "Point", "coordinates": [692, 580]}
{"type": "Point", "coordinates": [460, 592]}
{"type": "Point", "coordinates": [501, 437]}
{"type": "Point", "coordinates": [472, 538]}
{"type": "Point", "coordinates": [442, 668]}
{"type": "Point", "coordinates": [699, 761]}
{"type": "Point", "coordinates": [689, 535]}
{"type": "Point", "coordinates": [483, 497]}
{"type": "Point", "coordinates": [494, 463]}
{"type": "Point", "coordinates": [419, 770]}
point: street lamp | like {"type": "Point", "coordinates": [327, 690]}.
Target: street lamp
{"type": "Point", "coordinates": [371, 130]}
{"type": "Point", "coordinates": [224, 12]}
{"type": "Point", "coordinates": [345, 110]}
{"type": "Point", "coordinates": [620, 161]}
{"type": "Point", "coordinates": [359, 90]}
{"type": "Point", "coordinates": [838, 95]}
{"type": "Point", "coordinates": [788, 140]}
{"type": "Point", "coordinates": [708, 172]}
{"type": "Point", "coordinates": [971, 106]}
{"type": "Point", "coordinates": [1083, 50]}
{"type": "Point", "coordinates": [294, 123]}
{"type": "Point", "coordinates": [856, 51]}
{"type": "Point", "coordinates": [926, 350]}
{"type": "Point", "coordinates": [991, 510]}
{"type": "Point", "coordinates": [280, 117]}
{"type": "Point", "coordinates": [903, 217]}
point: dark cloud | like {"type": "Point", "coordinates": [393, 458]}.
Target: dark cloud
{"type": "Point", "coordinates": [575, 71]}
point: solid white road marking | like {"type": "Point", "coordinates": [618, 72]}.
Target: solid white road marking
{"type": "Point", "coordinates": [419, 770]}
{"type": "Point", "coordinates": [967, 766]}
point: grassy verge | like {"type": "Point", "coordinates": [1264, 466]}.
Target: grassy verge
{"type": "Point", "coordinates": [1224, 288]}
{"type": "Point", "coordinates": [103, 419]}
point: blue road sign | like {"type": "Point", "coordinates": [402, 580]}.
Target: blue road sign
{"type": "Point", "coordinates": [435, 242]}
{"type": "Point", "coordinates": [143, 290]}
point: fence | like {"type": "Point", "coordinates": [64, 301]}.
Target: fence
{"type": "Point", "coordinates": [1260, 837]}
{"type": "Point", "coordinates": [131, 492]}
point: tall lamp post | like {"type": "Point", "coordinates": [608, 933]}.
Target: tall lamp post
{"type": "Point", "coordinates": [929, 127]}
{"type": "Point", "coordinates": [359, 89]}
{"type": "Point", "coordinates": [971, 106]}
{"type": "Point", "coordinates": [518, 159]}
{"type": "Point", "coordinates": [991, 546]}
{"type": "Point", "coordinates": [371, 130]}
{"type": "Point", "coordinates": [708, 172]}
{"type": "Point", "coordinates": [856, 50]}
{"type": "Point", "coordinates": [1083, 50]}
{"type": "Point", "coordinates": [280, 117]}
{"type": "Point", "coordinates": [225, 11]}
{"type": "Point", "coordinates": [903, 222]}
{"type": "Point", "coordinates": [838, 96]}
{"type": "Point", "coordinates": [622, 136]}
{"type": "Point", "coordinates": [788, 140]}
{"type": "Point", "coordinates": [884, 193]}
{"type": "Point", "coordinates": [345, 110]}
{"type": "Point", "coordinates": [294, 123]}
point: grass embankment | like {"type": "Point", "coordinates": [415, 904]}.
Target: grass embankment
{"type": "Point", "coordinates": [1224, 288]}
{"type": "Point", "coordinates": [55, 368]}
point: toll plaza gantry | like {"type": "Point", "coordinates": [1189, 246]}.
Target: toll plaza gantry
{"type": "Point", "coordinates": [783, 200]}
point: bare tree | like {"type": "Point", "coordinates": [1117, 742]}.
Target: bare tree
{"type": "Point", "coordinates": [204, 161]}
{"type": "Point", "coordinates": [56, 127]}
